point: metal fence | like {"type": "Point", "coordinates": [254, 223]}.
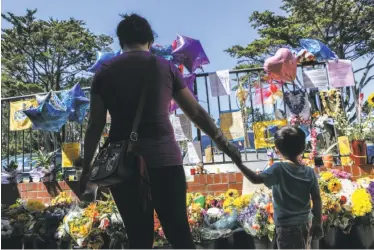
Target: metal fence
{"type": "Point", "coordinates": [21, 146]}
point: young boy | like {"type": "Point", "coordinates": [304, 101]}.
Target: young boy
{"type": "Point", "coordinates": [293, 185]}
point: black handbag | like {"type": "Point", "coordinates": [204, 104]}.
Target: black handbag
{"type": "Point", "coordinates": [118, 162]}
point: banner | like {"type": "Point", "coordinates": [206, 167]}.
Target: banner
{"type": "Point", "coordinates": [231, 124]}
{"type": "Point", "coordinates": [18, 120]}
{"type": "Point", "coordinates": [264, 132]}
{"type": "Point", "coordinates": [70, 152]}
{"type": "Point", "coordinates": [182, 127]}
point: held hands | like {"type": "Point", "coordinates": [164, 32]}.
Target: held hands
{"type": "Point", "coordinates": [229, 149]}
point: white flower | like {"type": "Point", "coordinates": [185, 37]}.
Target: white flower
{"type": "Point", "coordinates": [116, 218]}
{"type": "Point", "coordinates": [214, 212]}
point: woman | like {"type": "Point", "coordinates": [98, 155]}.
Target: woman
{"type": "Point", "coordinates": [117, 88]}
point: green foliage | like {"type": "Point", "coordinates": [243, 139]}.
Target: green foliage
{"type": "Point", "coordinates": [52, 54]}
{"type": "Point", "coordinates": [44, 160]}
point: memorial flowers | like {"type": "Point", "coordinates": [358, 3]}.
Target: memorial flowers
{"type": "Point", "coordinates": [361, 202]}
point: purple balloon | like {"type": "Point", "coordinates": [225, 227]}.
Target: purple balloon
{"type": "Point", "coordinates": [102, 57]}
{"type": "Point", "coordinates": [189, 81]}
{"type": "Point", "coordinates": [190, 53]}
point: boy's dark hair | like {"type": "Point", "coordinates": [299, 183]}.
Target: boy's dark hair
{"type": "Point", "coordinates": [290, 141]}
{"type": "Point", "coordinates": [134, 29]}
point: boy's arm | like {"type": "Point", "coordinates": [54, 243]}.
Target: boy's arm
{"type": "Point", "coordinates": [269, 177]}
{"type": "Point", "coordinates": [317, 230]}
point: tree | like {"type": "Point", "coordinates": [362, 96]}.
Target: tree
{"type": "Point", "coordinates": [346, 26]}
{"type": "Point", "coordinates": [54, 53]}
{"type": "Point", "coordinates": [43, 55]}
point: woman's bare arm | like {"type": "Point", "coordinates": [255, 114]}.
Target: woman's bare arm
{"type": "Point", "coordinates": [203, 121]}
{"type": "Point", "coordinates": [96, 124]}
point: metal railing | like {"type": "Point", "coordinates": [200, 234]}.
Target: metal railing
{"type": "Point", "coordinates": [22, 146]}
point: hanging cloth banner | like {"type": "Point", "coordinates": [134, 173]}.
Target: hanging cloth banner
{"type": "Point", "coordinates": [70, 152]}
{"type": "Point", "coordinates": [220, 84]}
{"type": "Point", "coordinates": [18, 119]}
{"type": "Point", "coordinates": [231, 123]}
{"type": "Point", "coordinates": [264, 132]}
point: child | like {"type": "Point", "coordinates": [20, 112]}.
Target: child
{"type": "Point", "coordinates": [292, 185]}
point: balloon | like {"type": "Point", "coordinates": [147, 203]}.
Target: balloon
{"type": "Point", "coordinates": [163, 51]}
{"type": "Point", "coordinates": [174, 45]}
{"type": "Point", "coordinates": [318, 49]}
{"type": "Point", "coordinates": [282, 66]}
{"type": "Point", "coordinates": [50, 115]}
{"type": "Point", "coordinates": [189, 80]}
{"type": "Point", "coordinates": [190, 53]}
{"type": "Point", "coordinates": [102, 57]}
{"type": "Point", "coordinates": [76, 103]}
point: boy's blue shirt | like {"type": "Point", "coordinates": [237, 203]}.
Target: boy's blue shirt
{"type": "Point", "coordinates": [291, 186]}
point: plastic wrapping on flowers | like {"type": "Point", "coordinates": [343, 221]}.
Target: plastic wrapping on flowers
{"type": "Point", "coordinates": [257, 217]}
{"type": "Point", "coordinates": [344, 200]}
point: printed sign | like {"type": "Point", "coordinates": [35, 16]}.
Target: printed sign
{"type": "Point", "coordinates": [194, 152]}
{"type": "Point", "coordinates": [340, 73]}
{"type": "Point", "coordinates": [18, 120]}
{"type": "Point", "coordinates": [70, 152]}
{"type": "Point", "coordinates": [315, 78]}
{"type": "Point", "coordinates": [231, 124]}
{"type": "Point", "coordinates": [182, 127]}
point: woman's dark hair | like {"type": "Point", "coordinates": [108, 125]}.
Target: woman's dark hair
{"type": "Point", "coordinates": [134, 29]}
{"type": "Point", "coordinates": [290, 141]}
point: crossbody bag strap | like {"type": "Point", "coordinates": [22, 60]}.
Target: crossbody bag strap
{"type": "Point", "coordinates": [150, 77]}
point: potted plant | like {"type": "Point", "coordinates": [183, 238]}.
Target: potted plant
{"type": "Point", "coordinates": [10, 173]}
{"type": "Point", "coordinates": [327, 157]}
{"type": "Point", "coordinates": [44, 166]}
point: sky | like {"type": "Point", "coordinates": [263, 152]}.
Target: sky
{"type": "Point", "coordinates": [217, 24]}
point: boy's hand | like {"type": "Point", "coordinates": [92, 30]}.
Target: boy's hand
{"type": "Point", "coordinates": [317, 232]}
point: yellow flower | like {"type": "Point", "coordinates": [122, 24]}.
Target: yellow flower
{"type": "Point", "coordinates": [232, 193]}
{"type": "Point", "coordinates": [371, 100]}
{"type": "Point", "coordinates": [246, 199]}
{"type": "Point", "coordinates": [35, 206]}
{"type": "Point", "coordinates": [238, 203]}
{"type": "Point", "coordinates": [189, 199]}
{"type": "Point", "coordinates": [326, 176]}
{"type": "Point", "coordinates": [361, 202]}
{"type": "Point", "coordinates": [334, 185]}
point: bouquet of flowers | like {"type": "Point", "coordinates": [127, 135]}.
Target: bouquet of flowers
{"type": "Point", "coordinates": [159, 236]}
{"type": "Point", "coordinates": [257, 217]}
{"type": "Point", "coordinates": [336, 191]}
{"type": "Point", "coordinates": [62, 200]}
{"type": "Point", "coordinates": [86, 226]}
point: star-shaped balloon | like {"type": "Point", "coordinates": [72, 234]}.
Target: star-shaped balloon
{"type": "Point", "coordinates": [102, 57]}
{"type": "Point", "coordinates": [190, 53]}
{"type": "Point", "coordinates": [76, 103]}
{"type": "Point", "coordinates": [189, 81]}
{"type": "Point", "coordinates": [318, 49]}
{"type": "Point", "coordinates": [50, 115]}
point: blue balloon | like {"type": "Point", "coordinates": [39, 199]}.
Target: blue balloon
{"type": "Point", "coordinates": [318, 49]}
{"type": "Point", "coordinates": [163, 51]}
{"type": "Point", "coordinates": [102, 57]}
{"type": "Point", "coordinates": [50, 115]}
{"type": "Point", "coordinates": [76, 103]}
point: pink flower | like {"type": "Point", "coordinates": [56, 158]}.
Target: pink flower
{"type": "Point", "coordinates": [324, 218]}
{"type": "Point", "coordinates": [161, 233]}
